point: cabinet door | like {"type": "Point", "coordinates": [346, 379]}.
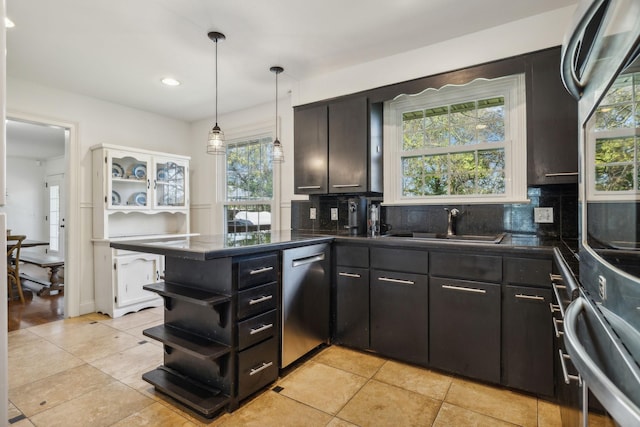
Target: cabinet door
{"type": "Point", "coordinates": [464, 328]}
{"type": "Point", "coordinates": [310, 155]}
{"type": "Point", "coordinates": [128, 182]}
{"type": "Point", "coordinates": [348, 136]}
{"type": "Point", "coordinates": [527, 339]}
{"type": "Point", "coordinates": [552, 130]}
{"type": "Point", "coordinates": [170, 183]}
{"type": "Point", "coordinates": [352, 307]}
{"type": "Point", "coordinates": [400, 315]}
{"type": "Point", "coordinates": [132, 273]}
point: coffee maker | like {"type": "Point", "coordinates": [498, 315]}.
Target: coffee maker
{"type": "Point", "coordinates": [364, 215]}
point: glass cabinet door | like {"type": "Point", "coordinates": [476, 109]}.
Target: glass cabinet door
{"type": "Point", "coordinates": [129, 181]}
{"type": "Point", "coordinates": [170, 183]}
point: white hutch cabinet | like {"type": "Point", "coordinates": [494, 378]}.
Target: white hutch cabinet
{"type": "Point", "coordinates": [137, 194]}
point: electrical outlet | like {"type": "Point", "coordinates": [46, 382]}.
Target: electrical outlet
{"type": "Point", "coordinates": [312, 213]}
{"type": "Point", "coordinates": [543, 215]}
{"type": "Point", "coordinates": [602, 287]}
{"type": "Point", "coordinates": [334, 214]}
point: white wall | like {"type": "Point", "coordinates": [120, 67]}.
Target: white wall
{"type": "Point", "coordinates": [25, 203]}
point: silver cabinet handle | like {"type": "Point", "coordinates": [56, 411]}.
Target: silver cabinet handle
{"type": "Point", "coordinates": [551, 175]}
{"type": "Point", "coordinates": [254, 331]}
{"type": "Point", "coordinates": [554, 287]}
{"type": "Point", "coordinates": [567, 377]}
{"type": "Point", "coordinates": [554, 307]}
{"type": "Point", "coordinates": [345, 185]}
{"type": "Point", "coordinates": [555, 278]}
{"type": "Point", "coordinates": [309, 187]}
{"type": "Point", "coordinates": [404, 282]}
{"type": "Point", "coordinates": [530, 297]}
{"type": "Point", "coordinates": [308, 260]}
{"type": "Point", "coordinates": [261, 299]}
{"type": "Point", "coordinates": [260, 270]}
{"type": "Point", "coordinates": [463, 289]}
{"type": "Point", "coordinates": [264, 366]}
{"type": "Point", "coordinates": [555, 327]}
{"type": "Point", "coordinates": [357, 276]}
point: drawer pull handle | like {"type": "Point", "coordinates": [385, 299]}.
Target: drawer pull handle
{"type": "Point", "coordinates": [308, 260]}
{"type": "Point", "coordinates": [345, 185]}
{"type": "Point", "coordinates": [357, 276]}
{"type": "Point", "coordinates": [554, 288]}
{"type": "Point", "coordinates": [261, 299]}
{"type": "Point", "coordinates": [530, 297]}
{"type": "Point", "coordinates": [555, 327]}
{"type": "Point", "coordinates": [464, 289]}
{"type": "Point", "coordinates": [264, 366]}
{"type": "Point", "coordinates": [551, 175]}
{"type": "Point", "coordinates": [404, 282]}
{"type": "Point", "coordinates": [260, 270]}
{"type": "Point", "coordinates": [567, 377]}
{"type": "Point", "coordinates": [554, 307]}
{"type": "Point", "coordinates": [254, 331]}
{"type": "Point", "coordinates": [309, 187]}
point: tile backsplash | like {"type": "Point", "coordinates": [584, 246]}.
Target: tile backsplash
{"type": "Point", "coordinates": [473, 218]}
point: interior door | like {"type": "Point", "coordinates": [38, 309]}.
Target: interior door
{"type": "Point", "coordinates": [55, 214]}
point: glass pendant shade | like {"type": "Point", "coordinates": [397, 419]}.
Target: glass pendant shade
{"type": "Point", "coordinates": [277, 155]}
{"type": "Point", "coordinates": [216, 145]}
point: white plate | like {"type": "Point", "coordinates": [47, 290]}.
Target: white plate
{"type": "Point", "coordinates": [115, 198]}
{"type": "Point", "coordinates": [117, 171]}
{"type": "Point", "coordinates": [140, 199]}
{"type": "Point", "coordinates": [139, 171]}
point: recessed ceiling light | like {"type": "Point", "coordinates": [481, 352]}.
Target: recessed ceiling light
{"type": "Point", "coordinates": [169, 81]}
{"type": "Point", "coordinates": [8, 23]}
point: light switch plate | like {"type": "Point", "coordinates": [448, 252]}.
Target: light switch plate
{"type": "Point", "coordinates": [334, 214]}
{"type": "Point", "coordinates": [543, 215]}
{"type": "Point", "coordinates": [312, 213]}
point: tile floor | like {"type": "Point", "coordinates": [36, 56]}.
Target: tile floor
{"type": "Point", "coordinates": [86, 371]}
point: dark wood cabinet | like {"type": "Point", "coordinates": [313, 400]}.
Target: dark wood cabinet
{"type": "Point", "coordinates": [311, 145]}
{"type": "Point", "coordinates": [400, 315]}
{"type": "Point", "coordinates": [464, 327]}
{"type": "Point", "coordinates": [352, 307]}
{"type": "Point", "coordinates": [552, 123]}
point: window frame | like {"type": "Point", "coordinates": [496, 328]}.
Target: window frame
{"type": "Point", "coordinates": [512, 88]}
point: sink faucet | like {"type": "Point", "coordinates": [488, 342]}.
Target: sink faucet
{"type": "Point", "coordinates": [451, 221]}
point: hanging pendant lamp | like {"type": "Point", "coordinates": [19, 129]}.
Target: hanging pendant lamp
{"type": "Point", "coordinates": [277, 154]}
{"type": "Point", "coordinates": [215, 144]}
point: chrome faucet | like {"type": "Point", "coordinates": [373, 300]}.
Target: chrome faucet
{"type": "Point", "coordinates": [451, 221]}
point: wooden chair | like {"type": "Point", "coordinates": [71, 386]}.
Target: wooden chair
{"type": "Point", "coordinates": [14, 244]}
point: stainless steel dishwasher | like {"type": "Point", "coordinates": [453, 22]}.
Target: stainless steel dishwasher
{"type": "Point", "coordinates": [306, 286]}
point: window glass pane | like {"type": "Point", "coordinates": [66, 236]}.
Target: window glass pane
{"type": "Point", "coordinates": [491, 173]}
{"type": "Point", "coordinates": [615, 116]}
{"type": "Point", "coordinates": [412, 172]}
{"type": "Point", "coordinates": [463, 121]}
{"type": "Point", "coordinates": [620, 92]}
{"type": "Point", "coordinates": [614, 178]}
{"type": "Point", "coordinates": [614, 150]}
{"type": "Point", "coordinates": [436, 179]}
{"type": "Point", "coordinates": [462, 172]}
{"type": "Point", "coordinates": [436, 127]}
{"type": "Point", "coordinates": [243, 218]}
{"type": "Point", "coordinates": [637, 113]}
{"type": "Point", "coordinates": [491, 120]}
{"type": "Point", "coordinates": [413, 130]}
{"type": "Point", "coordinates": [249, 171]}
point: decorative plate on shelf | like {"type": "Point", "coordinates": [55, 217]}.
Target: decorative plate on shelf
{"type": "Point", "coordinates": [115, 198]}
{"type": "Point", "coordinates": [163, 174]}
{"type": "Point", "coordinates": [139, 199]}
{"type": "Point", "coordinates": [117, 171]}
{"type": "Point", "coordinates": [139, 171]}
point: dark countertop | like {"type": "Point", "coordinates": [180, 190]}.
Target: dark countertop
{"type": "Point", "coordinates": [204, 247]}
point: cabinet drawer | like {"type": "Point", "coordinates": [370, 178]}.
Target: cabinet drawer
{"type": "Point", "coordinates": [352, 256]}
{"type": "Point", "coordinates": [257, 270]}
{"type": "Point", "coordinates": [256, 329]}
{"type": "Point", "coordinates": [466, 266]}
{"type": "Point", "coordinates": [257, 300]}
{"type": "Point", "coordinates": [257, 367]}
{"type": "Point", "coordinates": [400, 260]}
{"type": "Point", "coordinates": [527, 271]}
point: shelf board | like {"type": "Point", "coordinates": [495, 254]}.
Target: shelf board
{"type": "Point", "coordinates": [194, 345]}
{"type": "Point", "coordinates": [192, 295]}
{"type": "Point", "coordinates": [187, 391]}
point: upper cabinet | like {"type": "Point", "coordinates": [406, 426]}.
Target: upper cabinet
{"type": "Point", "coordinates": [552, 123]}
{"type": "Point", "coordinates": [338, 147]}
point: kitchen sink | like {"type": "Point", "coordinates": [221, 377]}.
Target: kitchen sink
{"type": "Point", "coordinates": [470, 238]}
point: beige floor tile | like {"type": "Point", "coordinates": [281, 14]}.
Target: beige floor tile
{"type": "Point", "coordinates": [156, 415]}
{"type": "Point", "coordinates": [322, 387]}
{"type": "Point", "coordinates": [51, 391]}
{"type": "Point", "coordinates": [103, 406]}
{"type": "Point", "coordinates": [273, 409]}
{"type": "Point", "coordinates": [424, 381]}
{"type": "Point", "coordinates": [21, 337]}
{"type": "Point", "coordinates": [380, 404]}
{"type": "Point", "coordinates": [13, 411]}
{"type": "Point", "coordinates": [450, 415]}
{"type": "Point", "coordinates": [141, 358]}
{"type": "Point", "coordinates": [132, 320]}
{"type": "Point", "coordinates": [136, 331]}
{"type": "Point", "coordinates": [495, 402]}
{"type": "Point", "coordinates": [58, 326]}
{"type": "Point", "coordinates": [136, 382]}
{"type": "Point", "coordinates": [79, 334]}
{"type": "Point", "coordinates": [337, 422]}
{"type": "Point", "coordinates": [37, 360]}
{"type": "Point", "coordinates": [113, 342]}
{"type": "Point", "coordinates": [356, 362]}
{"type": "Point", "coordinates": [548, 414]}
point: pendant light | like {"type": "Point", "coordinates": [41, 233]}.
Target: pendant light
{"type": "Point", "coordinates": [278, 154]}
{"type": "Point", "coordinates": [216, 145]}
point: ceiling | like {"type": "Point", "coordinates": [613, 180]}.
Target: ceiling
{"type": "Point", "coordinates": [34, 141]}
{"type": "Point", "coordinates": [118, 50]}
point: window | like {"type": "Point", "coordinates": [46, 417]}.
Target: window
{"type": "Point", "coordinates": [613, 146]}
{"type": "Point", "coordinates": [457, 144]}
{"type": "Point", "coordinates": [249, 186]}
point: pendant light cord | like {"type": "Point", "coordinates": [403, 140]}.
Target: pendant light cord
{"type": "Point", "coordinates": [277, 106]}
{"type": "Point", "coordinates": [216, 82]}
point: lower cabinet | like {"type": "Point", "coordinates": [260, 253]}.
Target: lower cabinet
{"type": "Point", "coordinates": [399, 315]}
{"type": "Point", "coordinates": [352, 307]}
{"type": "Point", "coordinates": [527, 339]}
{"type": "Point", "coordinates": [464, 327]}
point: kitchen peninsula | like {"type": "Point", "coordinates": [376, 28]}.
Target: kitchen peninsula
{"type": "Point", "coordinates": [224, 308]}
